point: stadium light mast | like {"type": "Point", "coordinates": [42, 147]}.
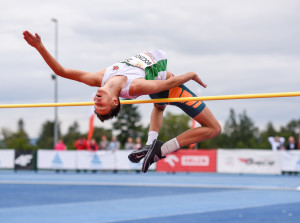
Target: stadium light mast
{"type": "Point", "coordinates": [54, 77]}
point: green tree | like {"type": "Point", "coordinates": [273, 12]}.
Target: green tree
{"type": "Point", "coordinates": [144, 134]}
{"type": "Point", "coordinates": [2, 144]}
{"type": "Point", "coordinates": [231, 130]}
{"type": "Point", "coordinates": [291, 129]}
{"type": "Point", "coordinates": [46, 137]}
{"type": "Point", "coordinates": [241, 132]}
{"type": "Point", "coordinates": [220, 141]}
{"type": "Point", "coordinates": [263, 138]}
{"type": "Point", "coordinates": [72, 135]}
{"type": "Point", "coordinates": [173, 125]}
{"type": "Point", "coordinates": [98, 132]}
{"type": "Point", "coordinates": [18, 140]}
{"type": "Point", "coordinates": [127, 123]}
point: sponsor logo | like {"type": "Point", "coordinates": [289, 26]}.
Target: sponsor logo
{"type": "Point", "coordinates": [57, 162]}
{"type": "Point", "coordinates": [138, 64]}
{"type": "Point", "coordinates": [193, 160]}
{"type": "Point", "coordinates": [95, 160]}
{"type": "Point", "coordinates": [171, 160]}
{"type": "Point", "coordinates": [188, 160]}
{"type": "Point", "coordinates": [141, 60]}
{"type": "Point", "coordinates": [253, 162]}
{"type": "Point", "coordinates": [24, 159]}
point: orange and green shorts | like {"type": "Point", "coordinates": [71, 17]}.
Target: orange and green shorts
{"type": "Point", "coordinates": [191, 108]}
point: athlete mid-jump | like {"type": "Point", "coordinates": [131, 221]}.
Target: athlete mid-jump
{"type": "Point", "coordinates": [143, 74]}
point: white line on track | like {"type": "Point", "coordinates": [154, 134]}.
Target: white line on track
{"type": "Point", "coordinates": [74, 183]}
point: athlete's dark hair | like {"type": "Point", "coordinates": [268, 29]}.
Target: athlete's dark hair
{"type": "Point", "coordinates": [114, 112]}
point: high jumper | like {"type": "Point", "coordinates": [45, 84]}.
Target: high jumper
{"type": "Point", "coordinates": [143, 74]}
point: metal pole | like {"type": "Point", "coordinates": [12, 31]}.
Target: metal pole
{"type": "Point", "coordinates": [55, 85]}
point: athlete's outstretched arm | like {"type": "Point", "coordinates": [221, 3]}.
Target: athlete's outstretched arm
{"type": "Point", "coordinates": [88, 78]}
{"type": "Point", "coordinates": [144, 87]}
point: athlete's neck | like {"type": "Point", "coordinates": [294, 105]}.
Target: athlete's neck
{"type": "Point", "coordinates": [115, 84]}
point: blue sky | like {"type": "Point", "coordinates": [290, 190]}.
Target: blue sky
{"type": "Point", "coordinates": [236, 47]}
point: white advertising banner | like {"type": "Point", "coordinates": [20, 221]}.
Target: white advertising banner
{"type": "Point", "coordinates": [87, 160]}
{"type": "Point", "coordinates": [7, 158]}
{"type": "Point", "coordinates": [248, 161]}
{"type": "Point", "coordinates": [51, 159]}
{"type": "Point", "coordinates": [100, 160]}
{"type": "Point", "coordinates": [123, 162]}
{"type": "Point", "coordinates": [290, 161]}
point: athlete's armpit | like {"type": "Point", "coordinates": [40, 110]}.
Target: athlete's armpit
{"type": "Point", "coordinates": [145, 87]}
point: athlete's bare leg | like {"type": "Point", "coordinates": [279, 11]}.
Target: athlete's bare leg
{"type": "Point", "coordinates": [155, 126]}
{"type": "Point", "coordinates": [156, 117]}
{"type": "Point", "coordinates": [210, 128]}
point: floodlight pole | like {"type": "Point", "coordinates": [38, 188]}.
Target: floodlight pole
{"type": "Point", "coordinates": [55, 85]}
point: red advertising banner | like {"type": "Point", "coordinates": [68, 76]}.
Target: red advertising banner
{"type": "Point", "coordinates": [189, 161]}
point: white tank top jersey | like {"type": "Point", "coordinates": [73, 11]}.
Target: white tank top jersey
{"type": "Point", "coordinates": [132, 73]}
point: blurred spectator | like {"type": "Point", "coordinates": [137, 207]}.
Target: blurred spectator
{"type": "Point", "coordinates": [114, 144]}
{"type": "Point", "coordinates": [291, 144]}
{"type": "Point", "coordinates": [60, 145]}
{"type": "Point", "coordinates": [81, 144]}
{"type": "Point", "coordinates": [276, 142]}
{"type": "Point", "coordinates": [93, 146]}
{"type": "Point", "coordinates": [103, 145]}
{"type": "Point", "coordinates": [138, 143]}
{"type": "Point", "coordinates": [129, 145]}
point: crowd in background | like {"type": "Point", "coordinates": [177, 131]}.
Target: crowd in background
{"type": "Point", "coordinates": [276, 142]}
{"type": "Point", "coordinates": [104, 144]}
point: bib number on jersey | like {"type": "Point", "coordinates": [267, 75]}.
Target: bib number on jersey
{"type": "Point", "coordinates": [141, 60]}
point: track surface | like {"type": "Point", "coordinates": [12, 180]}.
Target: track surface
{"type": "Point", "coordinates": [152, 197]}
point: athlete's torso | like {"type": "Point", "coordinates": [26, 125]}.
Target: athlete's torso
{"type": "Point", "coordinates": [122, 69]}
{"type": "Point", "coordinates": [132, 73]}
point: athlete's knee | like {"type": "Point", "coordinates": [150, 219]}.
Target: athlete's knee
{"type": "Point", "coordinates": [218, 129]}
{"type": "Point", "coordinates": [215, 129]}
{"type": "Point", "coordinates": [209, 121]}
{"type": "Point", "coordinates": [160, 107]}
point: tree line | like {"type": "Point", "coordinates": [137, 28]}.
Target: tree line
{"type": "Point", "coordinates": [239, 131]}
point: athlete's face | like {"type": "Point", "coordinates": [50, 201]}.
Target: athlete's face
{"type": "Point", "coordinates": [104, 101]}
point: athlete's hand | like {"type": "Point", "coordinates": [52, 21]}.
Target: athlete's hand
{"type": "Point", "coordinates": [34, 41]}
{"type": "Point", "coordinates": [198, 80]}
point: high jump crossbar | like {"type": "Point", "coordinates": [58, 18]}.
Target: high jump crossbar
{"type": "Point", "coordinates": [161, 100]}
